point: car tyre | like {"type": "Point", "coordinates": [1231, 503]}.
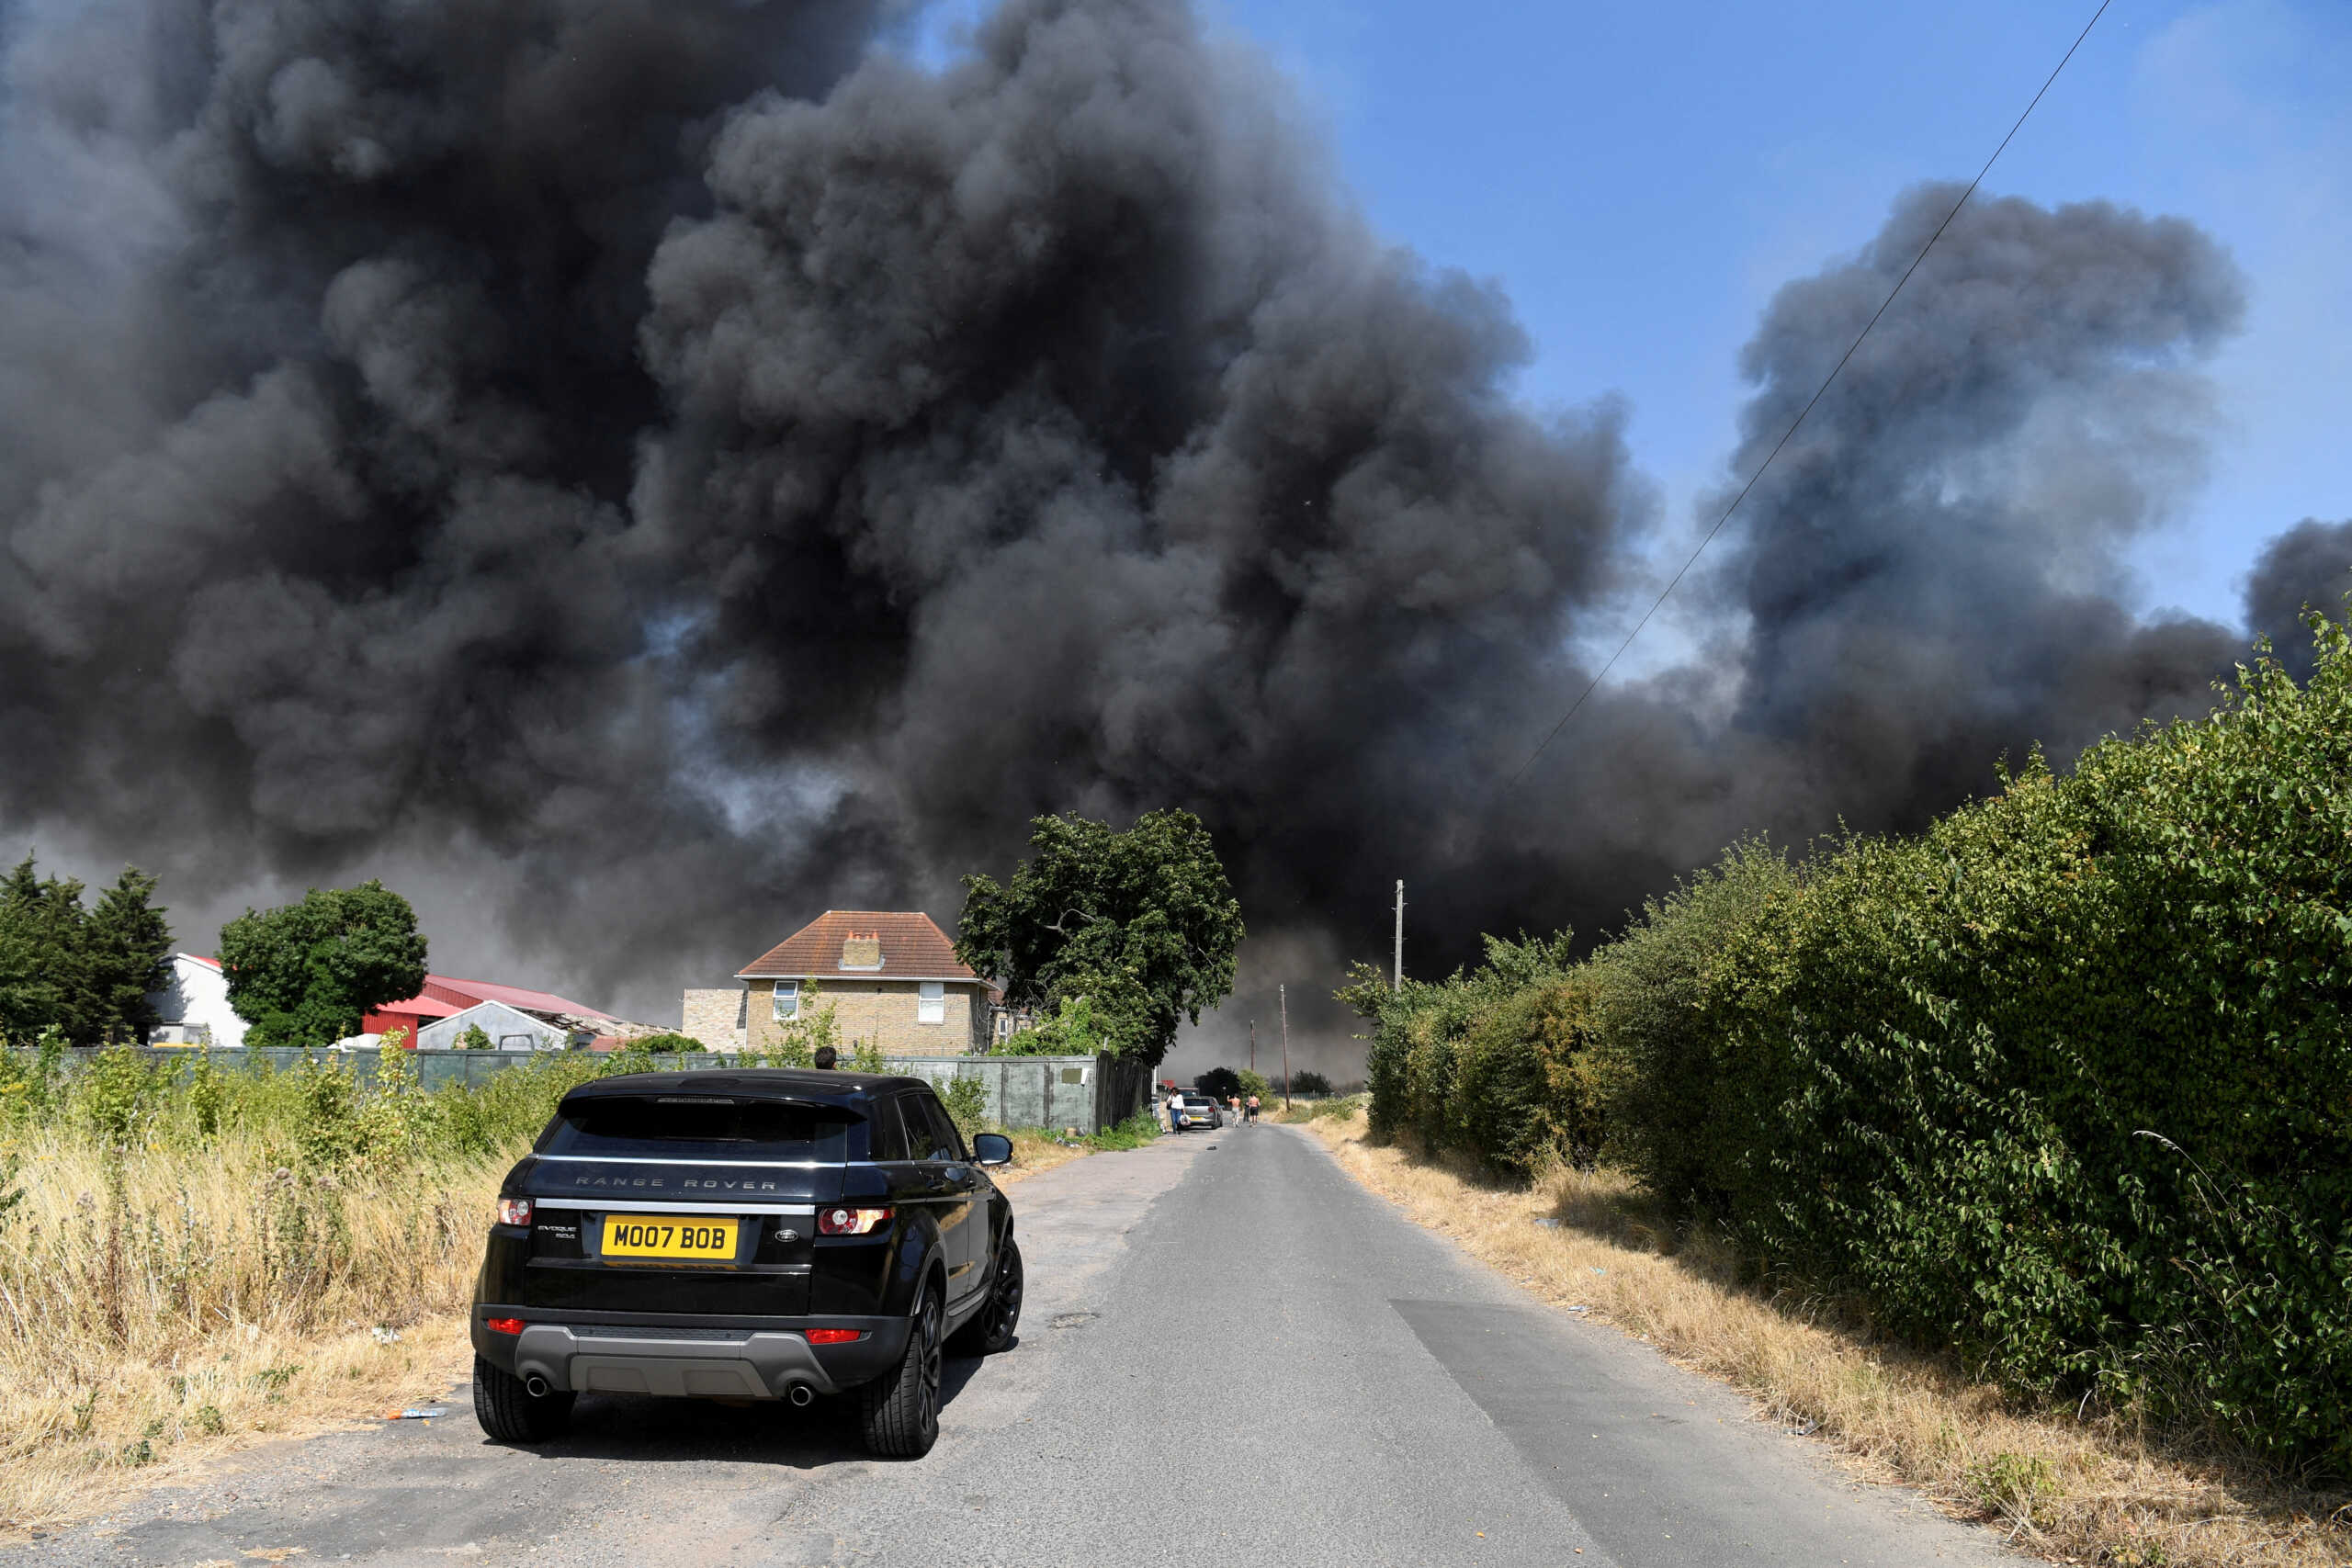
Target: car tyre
{"type": "Point", "coordinates": [901, 1406]}
{"type": "Point", "coordinates": [512, 1413]}
{"type": "Point", "coordinates": [992, 1327]}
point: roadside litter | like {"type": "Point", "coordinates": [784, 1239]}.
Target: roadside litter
{"type": "Point", "coordinates": [386, 1336]}
{"type": "Point", "coordinates": [1547, 1221]}
{"type": "Point", "coordinates": [417, 1413]}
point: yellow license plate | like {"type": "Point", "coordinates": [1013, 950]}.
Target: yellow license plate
{"type": "Point", "coordinates": [669, 1236]}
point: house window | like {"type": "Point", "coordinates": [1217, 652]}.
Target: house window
{"type": "Point", "coordinates": [787, 1001]}
{"type": "Point", "coordinates": [931, 1001]}
{"type": "Point", "coordinates": [1005, 1026]}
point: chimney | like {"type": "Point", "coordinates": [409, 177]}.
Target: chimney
{"type": "Point", "coordinates": [862, 952]}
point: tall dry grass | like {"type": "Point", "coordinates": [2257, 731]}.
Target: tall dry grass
{"type": "Point", "coordinates": [2098, 1489]}
{"type": "Point", "coordinates": [160, 1303]}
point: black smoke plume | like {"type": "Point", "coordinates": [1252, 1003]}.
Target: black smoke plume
{"type": "Point", "coordinates": [2309, 567]}
{"type": "Point", "coordinates": [638, 474]}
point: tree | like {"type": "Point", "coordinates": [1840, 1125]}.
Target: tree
{"type": "Point", "coordinates": [41, 981]}
{"type": "Point", "coordinates": [1219, 1084]}
{"type": "Point", "coordinates": [84, 974]}
{"type": "Point", "coordinates": [1307, 1081]}
{"type": "Point", "coordinates": [126, 943]}
{"type": "Point", "coordinates": [306, 973]}
{"type": "Point", "coordinates": [1070, 1030]}
{"type": "Point", "coordinates": [1143, 924]}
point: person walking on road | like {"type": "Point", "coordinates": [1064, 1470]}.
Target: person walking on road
{"type": "Point", "coordinates": [1235, 1101]}
{"type": "Point", "coordinates": [1253, 1108]}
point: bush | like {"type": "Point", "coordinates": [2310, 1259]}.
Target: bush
{"type": "Point", "coordinates": [1131, 1133]}
{"type": "Point", "coordinates": [668, 1044]}
{"type": "Point", "coordinates": [2058, 1082]}
{"type": "Point", "coordinates": [1493, 1064]}
{"type": "Point", "coordinates": [966, 1100]}
{"type": "Point", "coordinates": [1307, 1081]}
{"type": "Point", "coordinates": [117, 1094]}
{"type": "Point", "coordinates": [2061, 1079]}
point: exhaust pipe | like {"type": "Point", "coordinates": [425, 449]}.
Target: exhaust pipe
{"type": "Point", "coordinates": [535, 1386]}
{"type": "Point", "coordinates": [801, 1395]}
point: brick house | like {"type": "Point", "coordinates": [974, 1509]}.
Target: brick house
{"type": "Point", "coordinates": [892, 977]}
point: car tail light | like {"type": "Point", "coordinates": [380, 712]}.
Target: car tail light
{"type": "Point", "coordinates": [504, 1325]}
{"type": "Point", "coordinates": [514, 1211]}
{"type": "Point", "coordinates": [835, 1336]}
{"type": "Point", "coordinates": [849, 1222]}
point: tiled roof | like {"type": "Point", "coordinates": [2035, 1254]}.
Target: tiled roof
{"type": "Point", "coordinates": [911, 948]}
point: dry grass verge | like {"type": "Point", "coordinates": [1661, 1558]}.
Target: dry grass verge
{"type": "Point", "coordinates": [1035, 1154]}
{"type": "Point", "coordinates": [2089, 1491]}
{"type": "Point", "coordinates": [160, 1305]}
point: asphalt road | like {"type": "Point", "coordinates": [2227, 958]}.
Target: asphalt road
{"type": "Point", "coordinates": [1232, 1354]}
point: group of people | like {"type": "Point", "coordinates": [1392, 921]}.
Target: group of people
{"type": "Point", "coordinates": [1238, 1109]}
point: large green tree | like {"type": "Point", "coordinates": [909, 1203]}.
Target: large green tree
{"type": "Point", "coordinates": [126, 944]}
{"type": "Point", "coordinates": [86, 973]}
{"type": "Point", "coordinates": [1142, 924]}
{"type": "Point", "coordinates": [306, 973]}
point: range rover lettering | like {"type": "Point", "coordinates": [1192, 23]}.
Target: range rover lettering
{"type": "Point", "coordinates": [762, 1234]}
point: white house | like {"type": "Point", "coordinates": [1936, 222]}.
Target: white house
{"type": "Point", "coordinates": [194, 1006]}
{"type": "Point", "coordinates": [510, 1029]}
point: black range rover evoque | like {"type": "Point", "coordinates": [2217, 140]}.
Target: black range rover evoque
{"type": "Point", "coordinates": [762, 1234]}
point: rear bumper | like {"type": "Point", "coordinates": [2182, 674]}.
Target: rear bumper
{"type": "Point", "coordinates": [684, 1357]}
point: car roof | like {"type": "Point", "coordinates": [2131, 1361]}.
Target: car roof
{"type": "Point", "coordinates": [808, 1084]}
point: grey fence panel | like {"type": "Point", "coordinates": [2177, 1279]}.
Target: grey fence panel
{"type": "Point", "coordinates": [1088, 1093]}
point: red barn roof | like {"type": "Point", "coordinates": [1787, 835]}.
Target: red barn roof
{"type": "Point", "coordinates": [444, 995]}
{"type": "Point", "coordinates": [898, 945]}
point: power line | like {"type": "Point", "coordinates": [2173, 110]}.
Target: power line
{"type": "Point", "coordinates": [1827, 381]}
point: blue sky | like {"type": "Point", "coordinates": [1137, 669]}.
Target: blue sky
{"type": "Point", "coordinates": [1640, 179]}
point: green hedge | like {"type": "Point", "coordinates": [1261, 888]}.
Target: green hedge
{"type": "Point", "coordinates": [2063, 1082]}
{"type": "Point", "coordinates": [1491, 1063]}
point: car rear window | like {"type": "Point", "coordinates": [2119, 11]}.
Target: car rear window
{"type": "Point", "coordinates": [700, 1127]}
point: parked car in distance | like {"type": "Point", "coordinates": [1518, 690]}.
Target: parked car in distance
{"type": "Point", "coordinates": [761, 1233]}
{"type": "Point", "coordinates": [1187, 1110]}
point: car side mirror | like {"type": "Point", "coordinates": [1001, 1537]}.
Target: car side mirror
{"type": "Point", "coordinates": [991, 1148]}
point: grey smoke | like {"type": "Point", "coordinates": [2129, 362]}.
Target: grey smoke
{"type": "Point", "coordinates": [637, 474]}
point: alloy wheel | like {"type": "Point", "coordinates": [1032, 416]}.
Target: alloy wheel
{"type": "Point", "coordinates": [933, 1356]}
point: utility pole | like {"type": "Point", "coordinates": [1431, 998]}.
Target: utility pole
{"type": "Point", "coordinates": [1283, 994]}
{"type": "Point", "coordinates": [1253, 1045]}
{"type": "Point", "coordinates": [1397, 982]}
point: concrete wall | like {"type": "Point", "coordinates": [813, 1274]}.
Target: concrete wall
{"type": "Point", "coordinates": [883, 1012]}
{"type": "Point", "coordinates": [1084, 1094]}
